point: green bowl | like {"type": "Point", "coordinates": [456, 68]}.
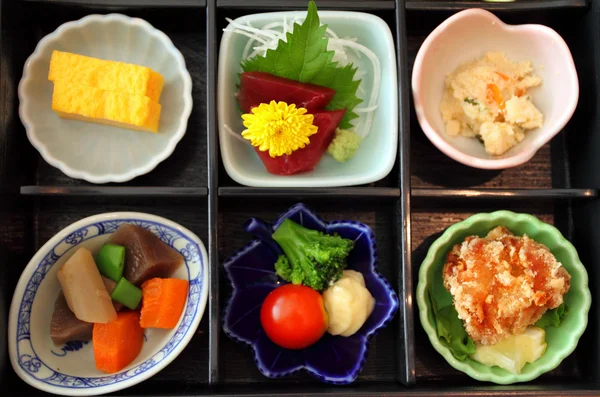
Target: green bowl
{"type": "Point", "coordinates": [561, 340]}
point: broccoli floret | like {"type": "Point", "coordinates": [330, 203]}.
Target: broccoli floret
{"type": "Point", "coordinates": [285, 271]}
{"type": "Point", "coordinates": [344, 145]}
{"type": "Point", "coordinates": [312, 258]}
{"type": "Point", "coordinates": [282, 268]}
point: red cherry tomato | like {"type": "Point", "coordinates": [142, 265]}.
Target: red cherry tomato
{"type": "Point", "coordinates": [294, 316]}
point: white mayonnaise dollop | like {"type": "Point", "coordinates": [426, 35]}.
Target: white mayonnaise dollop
{"type": "Point", "coordinates": [348, 303]}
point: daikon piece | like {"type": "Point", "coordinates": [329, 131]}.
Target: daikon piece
{"type": "Point", "coordinates": [84, 289]}
{"type": "Point", "coordinates": [65, 327]}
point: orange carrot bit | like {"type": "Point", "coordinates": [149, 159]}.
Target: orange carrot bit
{"type": "Point", "coordinates": [117, 343]}
{"type": "Point", "coordinates": [503, 76]}
{"type": "Point", "coordinates": [493, 94]}
{"type": "Point", "coordinates": [519, 92]}
{"type": "Point", "coordinates": [163, 300]}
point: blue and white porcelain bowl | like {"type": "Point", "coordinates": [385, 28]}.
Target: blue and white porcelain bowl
{"type": "Point", "coordinates": [70, 369]}
{"type": "Point", "coordinates": [333, 359]}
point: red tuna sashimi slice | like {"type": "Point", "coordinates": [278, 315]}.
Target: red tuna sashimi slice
{"type": "Point", "coordinates": [259, 87]}
{"type": "Point", "coordinates": [307, 158]}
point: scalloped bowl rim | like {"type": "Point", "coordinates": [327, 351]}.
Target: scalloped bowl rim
{"type": "Point", "coordinates": [368, 336]}
{"type": "Point", "coordinates": [152, 162]}
{"type": "Point", "coordinates": [528, 151]}
{"type": "Point", "coordinates": [36, 261]}
{"type": "Point", "coordinates": [429, 328]}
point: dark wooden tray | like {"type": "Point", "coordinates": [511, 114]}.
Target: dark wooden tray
{"type": "Point", "coordinates": [425, 193]}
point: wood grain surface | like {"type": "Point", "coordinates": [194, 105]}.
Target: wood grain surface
{"type": "Point", "coordinates": [524, 5]}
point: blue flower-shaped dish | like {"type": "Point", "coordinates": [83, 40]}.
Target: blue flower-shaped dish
{"type": "Point", "coordinates": [333, 359]}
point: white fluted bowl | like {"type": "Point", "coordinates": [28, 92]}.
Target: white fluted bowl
{"type": "Point", "coordinates": [99, 153]}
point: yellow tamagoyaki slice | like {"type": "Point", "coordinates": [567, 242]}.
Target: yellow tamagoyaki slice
{"type": "Point", "coordinates": [95, 105]}
{"type": "Point", "coordinates": [105, 75]}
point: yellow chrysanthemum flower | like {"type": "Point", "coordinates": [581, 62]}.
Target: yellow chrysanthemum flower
{"type": "Point", "coordinates": [278, 127]}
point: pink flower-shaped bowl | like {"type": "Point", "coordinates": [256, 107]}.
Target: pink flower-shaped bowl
{"type": "Point", "coordinates": [466, 36]}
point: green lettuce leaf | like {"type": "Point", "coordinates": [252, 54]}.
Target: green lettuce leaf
{"type": "Point", "coordinates": [451, 331]}
{"type": "Point", "coordinates": [553, 317]}
{"type": "Point", "coordinates": [305, 58]}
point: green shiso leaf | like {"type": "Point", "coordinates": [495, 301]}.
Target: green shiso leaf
{"type": "Point", "coordinates": [305, 58]}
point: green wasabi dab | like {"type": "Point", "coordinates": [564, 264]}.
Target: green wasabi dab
{"type": "Point", "coordinates": [344, 145]}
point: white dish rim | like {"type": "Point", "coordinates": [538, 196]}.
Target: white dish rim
{"type": "Point", "coordinates": [154, 160]}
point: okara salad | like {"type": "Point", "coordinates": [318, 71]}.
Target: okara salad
{"type": "Point", "coordinates": [321, 296]}
{"type": "Point", "coordinates": [111, 299]}
{"type": "Point", "coordinates": [506, 290]}
{"type": "Point", "coordinates": [488, 99]}
{"type": "Point", "coordinates": [298, 93]}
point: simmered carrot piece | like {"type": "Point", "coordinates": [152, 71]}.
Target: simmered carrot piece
{"type": "Point", "coordinates": [117, 343]}
{"type": "Point", "coordinates": [163, 300]}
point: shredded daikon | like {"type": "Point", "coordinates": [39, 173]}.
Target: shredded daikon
{"type": "Point", "coordinates": [365, 110]}
{"type": "Point", "coordinates": [347, 50]}
{"type": "Point", "coordinates": [234, 134]}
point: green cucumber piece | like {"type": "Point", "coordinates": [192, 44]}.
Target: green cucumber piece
{"type": "Point", "coordinates": [127, 294]}
{"type": "Point", "coordinates": [111, 261]}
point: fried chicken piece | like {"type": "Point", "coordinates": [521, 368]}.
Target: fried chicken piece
{"type": "Point", "coordinates": [503, 283]}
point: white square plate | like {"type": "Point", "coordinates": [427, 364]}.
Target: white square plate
{"type": "Point", "coordinates": [376, 156]}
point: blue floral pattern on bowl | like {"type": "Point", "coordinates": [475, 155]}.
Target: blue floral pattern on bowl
{"type": "Point", "coordinates": [34, 366]}
{"type": "Point", "coordinates": [72, 346]}
{"type": "Point", "coordinates": [333, 359]}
